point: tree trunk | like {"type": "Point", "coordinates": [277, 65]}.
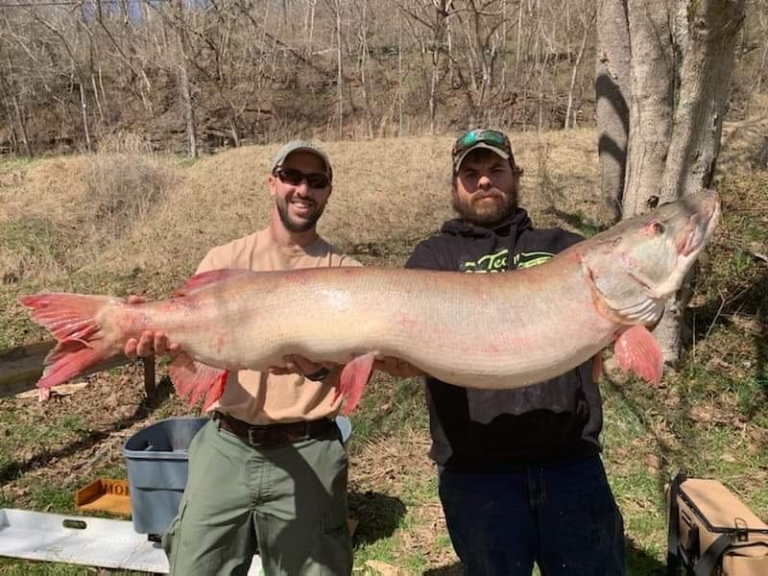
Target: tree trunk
{"type": "Point", "coordinates": [504, 47]}
{"type": "Point", "coordinates": [103, 93]}
{"type": "Point", "coordinates": [84, 109]}
{"type": "Point", "coordinates": [311, 31]}
{"type": "Point", "coordinates": [540, 65]}
{"type": "Point", "coordinates": [399, 74]}
{"type": "Point", "coordinates": [340, 69]}
{"type": "Point", "coordinates": [184, 83]}
{"type": "Point", "coordinates": [680, 38]}
{"type": "Point", "coordinates": [22, 126]}
{"type": "Point", "coordinates": [651, 101]}
{"type": "Point", "coordinates": [708, 61]}
{"type": "Point", "coordinates": [439, 28]}
{"type": "Point", "coordinates": [518, 40]}
{"type": "Point", "coordinates": [677, 98]}
{"type": "Point", "coordinates": [96, 97]}
{"type": "Point", "coordinates": [363, 64]}
{"type": "Point", "coordinates": [189, 112]}
{"type": "Point", "coordinates": [612, 91]}
{"type": "Point", "coordinates": [587, 22]}
{"type": "Point", "coordinates": [704, 85]}
{"type": "Point", "coordinates": [233, 128]}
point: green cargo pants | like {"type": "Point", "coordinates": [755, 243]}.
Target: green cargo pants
{"type": "Point", "coordinates": [290, 501]}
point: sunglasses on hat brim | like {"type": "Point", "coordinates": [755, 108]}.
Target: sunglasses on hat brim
{"type": "Point", "coordinates": [473, 138]}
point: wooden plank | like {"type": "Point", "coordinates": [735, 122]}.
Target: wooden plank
{"type": "Point", "coordinates": [22, 367]}
{"type": "Point", "coordinates": [149, 375]}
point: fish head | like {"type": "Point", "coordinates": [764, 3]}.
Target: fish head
{"type": "Point", "coordinates": [639, 263]}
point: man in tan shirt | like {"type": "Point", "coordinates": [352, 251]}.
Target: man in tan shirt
{"type": "Point", "coordinates": [270, 469]}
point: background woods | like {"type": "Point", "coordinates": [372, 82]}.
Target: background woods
{"type": "Point", "coordinates": [201, 74]}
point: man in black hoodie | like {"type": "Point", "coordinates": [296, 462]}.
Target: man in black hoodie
{"type": "Point", "coordinates": [520, 475]}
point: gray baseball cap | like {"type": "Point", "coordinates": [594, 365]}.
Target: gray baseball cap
{"type": "Point", "coordinates": [303, 146]}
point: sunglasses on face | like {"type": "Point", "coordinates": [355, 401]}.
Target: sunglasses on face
{"type": "Point", "coordinates": [295, 177]}
{"type": "Point", "coordinates": [491, 137]}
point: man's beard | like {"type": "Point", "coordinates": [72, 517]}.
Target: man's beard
{"type": "Point", "coordinates": [483, 212]}
{"type": "Point", "coordinates": [298, 226]}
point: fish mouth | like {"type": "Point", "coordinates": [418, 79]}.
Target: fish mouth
{"type": "Point", "coordinates": [694, 235]}
{"type": "Point", "coordinates": [700, 226]}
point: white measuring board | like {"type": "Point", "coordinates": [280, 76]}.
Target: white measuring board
{"type": "Point", "coordinates": [83, 540]}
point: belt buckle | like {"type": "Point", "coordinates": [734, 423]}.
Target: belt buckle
{"type": "Point", "coordinates": [251, 440]}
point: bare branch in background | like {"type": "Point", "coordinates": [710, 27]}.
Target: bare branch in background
{"type": "Point", "coordinates": [259, 70]}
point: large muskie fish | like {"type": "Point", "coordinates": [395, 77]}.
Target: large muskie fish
{"type": "Point", "coordinates": [473, 330]}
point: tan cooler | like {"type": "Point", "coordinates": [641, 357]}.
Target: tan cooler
{"type": "Point", "coordinates": [712, 533]}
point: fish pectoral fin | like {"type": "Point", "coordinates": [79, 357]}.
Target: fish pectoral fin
{"type": "Point", "coordinates": [205, 279]}
{"type": "Point", "coordinates": [354, 377]}
{"type": "Point", "coordinates": [636, 350]}
{"type": "Point", "coordinates": [193, 379]}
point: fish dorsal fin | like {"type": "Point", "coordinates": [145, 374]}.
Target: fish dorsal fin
{"type": "Point", "coordinates": [205, 279]}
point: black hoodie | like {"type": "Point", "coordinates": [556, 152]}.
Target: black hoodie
{"type": "Point", "coordinates": [497, 430]}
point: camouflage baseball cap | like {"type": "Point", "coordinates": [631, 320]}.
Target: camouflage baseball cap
{"type": "Point", "coordinates": [492, 140]}
{"type": "Point", "coordinates": [303, 146]}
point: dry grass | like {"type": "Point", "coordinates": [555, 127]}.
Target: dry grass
{"type": "Point", "coordinates": [125, 183]}
{"type": "Point", "coordinates": [383, 188]}
{"type": "Point", "coordinates": [66, 214]}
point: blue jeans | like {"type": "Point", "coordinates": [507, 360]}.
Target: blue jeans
{"type": "Point", "coordinates": [561, 516]}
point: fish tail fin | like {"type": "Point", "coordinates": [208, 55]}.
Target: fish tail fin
{"type": "Point", "coordinates": [354, 377]}
{"type": "Point", "coordinates": [71, 319]}
{"type": "Point", "coordinates": [193, 380]}
{"type": "Point", "coordinates": [636, 350]}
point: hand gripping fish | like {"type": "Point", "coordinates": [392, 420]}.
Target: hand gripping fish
{"type": "Point", "coordinates": [493, 331]}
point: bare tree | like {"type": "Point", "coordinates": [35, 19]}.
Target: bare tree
{"type": "Point", "coordinates": [705, 73]}
{"type": "Point", "coordinates": [612, 90]}
{"type": "Point", "coordinates": [82, 82]}
{"type": "Point", "coordinates": [363, 64]}
{"type": "Point", "coordinates": [587, 14]}
{"type": "Point", "coordinates": [310, 25]}
{"type": "Point", "coordinates": [675, 125]}
{"type": "Point", "coordinates": [185, 90]}
{"type": "Point", "coordinates": [707, 64]}
{"type": "Point", "coordinates": [651, 102]}
{"type": "Point", "coordinates": [399, 74]}
{"type": "Point", "coordinates": [761, 12]}
{"type": "Point", "coordinates": [481, 19]}
{"type": "Point", "coordinates": [10, 90]}
{"type": "Point", "coordinates": [434, 15]}
{"type": "Point", "coordinates": [337, 7]}
{"type": "Point", "coordinates": [234, 71]}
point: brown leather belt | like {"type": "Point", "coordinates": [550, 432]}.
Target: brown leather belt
{"type": "Point", "coordinates": [271, 435]}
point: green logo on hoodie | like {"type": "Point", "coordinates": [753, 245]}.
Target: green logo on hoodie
{"type": "Point", "coordinates": [498, 262]}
